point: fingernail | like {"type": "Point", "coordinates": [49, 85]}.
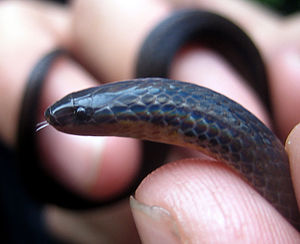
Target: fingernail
{"type": "Point", "coordinates": [155, 224]}
{"type": "Point", "coordinates": [292, 147]}
{"type": "Point", "coordinates": [292, 143]}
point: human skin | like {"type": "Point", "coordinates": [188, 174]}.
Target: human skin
{"type": "Point", "coordinates": [212, 204]}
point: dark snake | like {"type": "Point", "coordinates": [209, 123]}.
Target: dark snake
{"type": "Point", "coordinates": [184, 114]}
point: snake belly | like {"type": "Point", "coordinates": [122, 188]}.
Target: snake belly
{"type": "Point", "coordinates": [187, 115]}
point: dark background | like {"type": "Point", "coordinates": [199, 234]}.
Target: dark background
{"type": "Point", "coordinates": [21, 220]}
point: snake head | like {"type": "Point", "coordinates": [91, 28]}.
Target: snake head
{"type": "Point", "coordinates": [71, 112]}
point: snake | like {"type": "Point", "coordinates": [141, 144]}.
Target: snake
{"type": "Point", "coordinates": [180, 113]}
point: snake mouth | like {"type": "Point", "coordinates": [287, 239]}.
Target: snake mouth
{"type": "Point", "coordinates": [50, 118]}
{"type": "Point", "coordinates": [61, 113]}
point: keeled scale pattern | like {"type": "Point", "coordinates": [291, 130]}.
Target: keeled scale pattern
{"type": "Point", "coordinates": [188, 115]}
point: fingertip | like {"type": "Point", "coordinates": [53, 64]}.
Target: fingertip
{"type": "Point", "coordinates": [292, 147]}
{"type": "Point", "coordinates": [120, 27]}
{"type": "Point", "coordinates": [211, 204]}
{"type": "Point", "coordinates": [155, 224]}
{"type": "Point", "coordinates": [284, 70]}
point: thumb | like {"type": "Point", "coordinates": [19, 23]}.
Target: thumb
{"type": "Point", "coordinates": [202, 201]}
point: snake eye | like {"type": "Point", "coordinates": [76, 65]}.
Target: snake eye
{"type": "Point", "coordinates": [82, 114]}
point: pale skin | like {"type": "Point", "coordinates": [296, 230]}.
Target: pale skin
{"type": "Point", "coordinates": [199, 201]}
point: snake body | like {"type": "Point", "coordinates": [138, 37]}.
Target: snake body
{"type": "Point", "coordinates": [187, 115]}
{"type": "Point", "coordinates": [184, 114]}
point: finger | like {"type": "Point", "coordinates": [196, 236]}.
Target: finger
{"type": "Point", "coordinates": [17, 57]}
{"type": "Point", "coordinates": [197, 201]}
{"type": "Point", "coordinates": [83, 165]}
{"type": "Point", "coordinates": [292, 147]}
{"type": "Point", "coordinates": [120, 27]}
{"type": "Point", "coordinates": [193, 63]}
{"type": "Point", "coordinates": [284, 69]}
